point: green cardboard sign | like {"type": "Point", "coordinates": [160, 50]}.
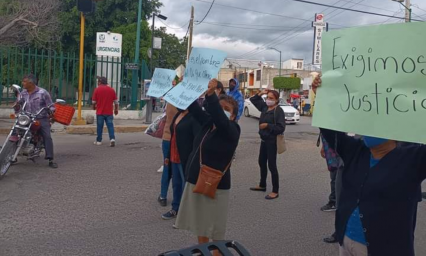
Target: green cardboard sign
{"type": "Point", "coordinates": [374, 82]}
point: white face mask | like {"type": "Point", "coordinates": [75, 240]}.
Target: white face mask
{"type": "Point", "coordinates": [228, 114]}
{"type": "Point", "coordinates": [270, 103]}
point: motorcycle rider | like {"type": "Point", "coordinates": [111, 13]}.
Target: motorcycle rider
{"type": "Point", "coordinates": [36, 99]}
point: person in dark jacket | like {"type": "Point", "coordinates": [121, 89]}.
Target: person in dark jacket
{"type": "Point", "coordinates": [271, 124]}
{"type": "Point", "coordinates": [183, 130]}
{"type": "Point", "coordinates": [217, 141]}
{"type": "Point", "coordinates": [380, 193]}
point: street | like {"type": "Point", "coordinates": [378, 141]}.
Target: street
{"type": "Point", "coordinates": [103, 201]}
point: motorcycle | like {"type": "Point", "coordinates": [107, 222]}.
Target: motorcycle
{"type": "Point", "coordinates": [24, 137]}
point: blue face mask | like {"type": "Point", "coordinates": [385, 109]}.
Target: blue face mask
{"type": "Point", "coordinates": [372, 142]}
{"type": "Point", "coordinates": [228, 115]}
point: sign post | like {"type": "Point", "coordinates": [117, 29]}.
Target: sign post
{"type": "Point", "coordinates": [320, 26]}
{"type": "Point", "coordinates": [109, 48]}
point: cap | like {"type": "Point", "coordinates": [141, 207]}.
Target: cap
{"type": "Point", "coordinates": [102, 79]}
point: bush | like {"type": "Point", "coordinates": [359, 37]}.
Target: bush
{"type": "Point", "coordinates": [287, 83]}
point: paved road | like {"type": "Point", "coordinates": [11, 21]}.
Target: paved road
{"type": "Point", "coordinates": [102, 201]}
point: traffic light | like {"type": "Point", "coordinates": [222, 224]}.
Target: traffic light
{"type": "Point", "coordinates": [85, 6]}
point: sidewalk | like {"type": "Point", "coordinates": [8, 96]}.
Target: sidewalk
{"type": "Point", "coordinates": [120, 126]}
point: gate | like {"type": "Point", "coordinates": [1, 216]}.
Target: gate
{"type": "Point", "coordinates": [58, 74]}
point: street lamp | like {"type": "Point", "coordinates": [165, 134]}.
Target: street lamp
{"type": "Point", "coordinates": [407, 6]}
{"type": "Point", "coordinates": [148, 117]}
{"type": "Point", "coordinates": [162, 17]}
{"type": "Point", "coordinates": [271, 48]}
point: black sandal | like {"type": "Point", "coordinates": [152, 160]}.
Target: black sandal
{"type": "Point", "coordinates": [258, 189]}
{"type": "Point", "coordinates": [268, 197]}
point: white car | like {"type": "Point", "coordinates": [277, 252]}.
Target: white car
{"type": "Point", "coordinates": [292, 115]}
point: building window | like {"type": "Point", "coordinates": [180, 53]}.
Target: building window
{"type": "Point", "coordinates": [258, 75]}
{"type": "Point", "coordinates": [241, 77]}
{"type": "Point", "coordinates": [299, 65]}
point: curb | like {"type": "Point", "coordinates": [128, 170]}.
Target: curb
{"type": "Point", "coordinates": [92, 129]}
{"type": "Point", "coordinates": [84, 129]}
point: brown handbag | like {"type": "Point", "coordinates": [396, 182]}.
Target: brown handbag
{"type": "Point", "coordinates": [208, 178]}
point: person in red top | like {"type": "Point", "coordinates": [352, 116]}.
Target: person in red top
{"type": "Point", "coordinates": [103, 99]}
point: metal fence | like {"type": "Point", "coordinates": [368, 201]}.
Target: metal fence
{"type": "Point", "coordinates": [58, 73]}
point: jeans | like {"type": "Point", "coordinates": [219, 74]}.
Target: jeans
{"type": "Point", "coordinates": [165, 178]}
{"type": "Point", "coordinates": [178, 182]}
{"type": "Point", "coordinates": [100, 119]}
{"type": "Point", "coordinates": [47, 137]}
{"type": "Point", "coordinates": [332, 196]}
{"type": "Point", "coordinates": [268, 158]}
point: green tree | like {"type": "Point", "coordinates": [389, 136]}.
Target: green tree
{"type": "Point", "coordinates": [173, 50]}
{"type": "Point", "coordinates": [287, 83]}
{"type": "Point", "coordinates": [108, 16]}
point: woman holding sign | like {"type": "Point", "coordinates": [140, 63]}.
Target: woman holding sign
{"type": "Point", "coordinates": [380, 193]}
{"type": "Point", "coordinates": [271, 124]}
{"type": "Point", "coordinates": [204, 206]}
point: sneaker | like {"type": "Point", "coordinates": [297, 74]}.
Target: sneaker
{"type": "Point", "coordinates": [330, 207]}
{"type": "Point", "coordinates": [53, 165]}
{"type": "Point", "coordinates": [97, 143]}
{"type": "Point", "coordinates": [331, 239]}
{"type": "Point", "coordinates": [169, 215]}
{"type": "Point", "coordinates": [160, 170]}
{"type": "Point", "coordinates": [112, 143]}
{"type": "Point", "coordinates": [162, 201]}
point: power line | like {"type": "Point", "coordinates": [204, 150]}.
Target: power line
{"type": "Point", "coordinates": [187, 30]}
{"type": "Point", "coordinates": [245, 24]}
{"type": "Point", "coordinates": [370, 6]}
{"type": "Point", "coordinates": [255, 11]}
{"type": "Point", "coordinates": [353, 10]}
{"type": "Point", "coordinates": [261, 29]}
{"type": "Point", "coordinates": [205, 16]}
{"type": "Point", "coordinates": [418, 7]}
{"type": "Point", "coordinates": [256, 50]}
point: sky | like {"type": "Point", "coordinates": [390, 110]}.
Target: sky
{"type": "Point", "coordinates": [247, 31]}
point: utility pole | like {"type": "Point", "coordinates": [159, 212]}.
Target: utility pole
{"type": "Point", "coordinates": [408, 10]}
{"type": "Point", "coordinates": [135, 76]}
{"type": "Point", "coordinates": [191, 31]}
{"type": "Point", "coordinates": [80, 120]}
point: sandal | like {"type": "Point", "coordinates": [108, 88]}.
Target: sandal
{"type": "Point", "coordinates": [258, 189]}
{"type": "Point", "coordinates": [269, 197]}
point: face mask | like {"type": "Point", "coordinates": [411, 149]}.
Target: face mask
{"type": "Point", "coordinates": [270, 103]}
{"type": "Point", "coordinates": [228, 114]}
{"type": "Point", "coordinates": [372, 142]}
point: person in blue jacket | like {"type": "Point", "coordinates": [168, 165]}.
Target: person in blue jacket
{"type": "Point", "coordinates": [234, 92]}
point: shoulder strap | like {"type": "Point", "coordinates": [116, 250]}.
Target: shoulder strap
{"type": "Point", "coordinates": [201, 147]}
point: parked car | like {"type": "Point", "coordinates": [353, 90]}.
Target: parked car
{"type": "Point", "coordinates": [292, 115]}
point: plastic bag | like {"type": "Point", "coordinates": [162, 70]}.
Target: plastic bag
{"type": "Point", "coordinates": [156, 129]}
{"type": "Point", "coordinates": [333, 159]}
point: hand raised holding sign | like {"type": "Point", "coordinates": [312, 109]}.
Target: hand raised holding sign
{"type": "Point", "coordinates": [212, 87]}
{"type": "Point", "coordinates": [316, 83]}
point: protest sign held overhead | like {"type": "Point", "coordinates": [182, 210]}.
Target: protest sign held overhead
{"type": "Point", "coordinates": [203, 65]}
{"type": "Point", "coordinates": [161, 82]}
{"type": "Point", "coordinates": [373, 82]}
